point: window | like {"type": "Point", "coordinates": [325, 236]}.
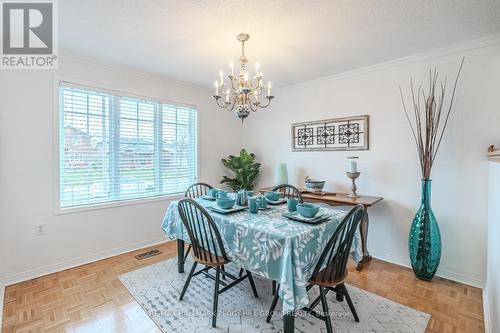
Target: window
{"type": "Point", "coordinates": [115, 147]}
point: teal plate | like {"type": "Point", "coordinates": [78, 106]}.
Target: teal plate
{"type": "Point", "coordinates": [276, 202]}
{"type": "Point", "coordinates": [227, 211]}
{"type": "Point", "coordinates": [312, 220]}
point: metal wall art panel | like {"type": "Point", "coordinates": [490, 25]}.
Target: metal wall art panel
{"type": "Point", "coordinates": [350, 133]}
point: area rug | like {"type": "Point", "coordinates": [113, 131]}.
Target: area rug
{"type": "Point", "coordinates": [157, 288]}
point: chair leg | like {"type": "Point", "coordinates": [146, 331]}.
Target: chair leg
{"type": "Point", "coordinates": [315, 302]}
{"type": "Point", "coordinates": [326, 312]}
{"type": "Point", "coordinates": [273, 305]}
{"type": "Point", "coordinates": [274, 287]}
{"type": "Point", "coordinates": [252, 284]}
{"type": "Point", "coordinates": [223, 275]}
{"type": "Point", "coordinates": [241, 272]}
{"type": "Point", "coordinates": [216, 297]}
{"type": "Point", "coordinates": [349, 302]}
{"type": "Point", "coordinates": [188, 280]}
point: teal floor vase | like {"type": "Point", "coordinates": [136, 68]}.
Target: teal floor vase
{"type": "Point", "coordinates": [425, 239]}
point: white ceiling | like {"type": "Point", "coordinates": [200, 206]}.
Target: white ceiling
{"type": "Point", "coordinates": [294, 41]}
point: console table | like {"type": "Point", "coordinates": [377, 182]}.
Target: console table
{"type": "Point", "coordinates": [338, 199]}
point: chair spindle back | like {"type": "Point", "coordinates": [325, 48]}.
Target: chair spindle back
{"type": "Point", "coordinates": [289, 191]}
{"type": "Point", "coordinates": [196, 190]}
{"type": "Point", "coordinates": [333, 261]}
{"type": "Point", "coordinates": [203, 232]}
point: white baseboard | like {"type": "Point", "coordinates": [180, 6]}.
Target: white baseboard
{"type": "Point", "coordinates": [2, 294]}
{"type": "Point", "coordinates": [37, 272]}
{"type": "Point", "coordinates": [486, 312]}
{"type": "Point", "coordinates": [465, 279]}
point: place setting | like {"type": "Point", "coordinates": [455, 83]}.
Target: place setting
{"type": "Point", "coordinates": [305, 212]}
{"type": "Point", "coordinates": [224, 202]}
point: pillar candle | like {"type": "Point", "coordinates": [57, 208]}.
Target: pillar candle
{"type": "Point", "coordinates": [353, 166]}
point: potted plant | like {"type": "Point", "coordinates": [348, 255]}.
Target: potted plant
{"type": "Point", "coordinates": [245, 168]}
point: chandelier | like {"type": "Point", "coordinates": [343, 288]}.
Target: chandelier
{"type": "Point", "coordinates": [239, 92]}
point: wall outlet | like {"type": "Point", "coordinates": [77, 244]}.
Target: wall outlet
{"type": "Point", "coordinates": [40, 229]}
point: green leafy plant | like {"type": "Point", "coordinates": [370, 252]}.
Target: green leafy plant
{"type": "Point", "coordinates": [245, 169]}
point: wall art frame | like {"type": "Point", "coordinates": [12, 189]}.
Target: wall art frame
{"type": "Point", "coordinates": [337, 134]}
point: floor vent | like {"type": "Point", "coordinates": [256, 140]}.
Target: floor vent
{"type": "Point", "coordinates": [148, 254]}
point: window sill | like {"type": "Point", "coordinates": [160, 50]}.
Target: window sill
{"type": "Point", "coordinates": [116, 204]}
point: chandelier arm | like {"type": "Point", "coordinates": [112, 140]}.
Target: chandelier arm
{"type": "Point", "coordinates": [232, 84]}
{"type": "Point", "coordinates": [257, 90]}
{"type": "Point", "coordinates": [254, 106]}
{"type": "Point", "coordinates": [233, 102]}
{"type": "Point", "coordinates": [220, 105]}
{"type": "Point", "coordinates": [268, 102]}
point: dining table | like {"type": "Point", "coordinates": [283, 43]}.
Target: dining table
{"type": "Point", "coordinates": [342, 199]}
{"type": "Point", "coordinates": [269, 245]}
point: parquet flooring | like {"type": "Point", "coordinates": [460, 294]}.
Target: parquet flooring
{"type": "Point", "coordinates": [90, 298]}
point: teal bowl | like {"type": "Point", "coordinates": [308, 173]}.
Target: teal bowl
{"type": "Point", "coordinates": [307, 210]}
{"type": "Point", "coordinates": [315, 185]}
{"type": "Point", "coordinates": [212, 192]}
{"type": "Point", "coordinates": [226, 203]}
{"type": "Point", "coordinates": [273, 196]}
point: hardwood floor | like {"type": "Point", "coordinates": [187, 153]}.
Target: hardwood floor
{"type": "Point", "coordinates": [90, 298]}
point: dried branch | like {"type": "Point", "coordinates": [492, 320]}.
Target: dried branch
{"type": "Point", "coordinates": [427, 127]}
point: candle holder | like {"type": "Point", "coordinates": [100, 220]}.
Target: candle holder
{"type": "Point", "coordinates": [353, 176]}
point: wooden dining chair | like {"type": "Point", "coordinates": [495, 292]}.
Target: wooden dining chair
{"type": "Point", "coordinates": [208, 250]}
{"type": "Point", "coordinates": [331, 270]}
{"type": "Point", "coordinates": [194, 191]}
{"type": "Point", "coordinates": [289, 191]}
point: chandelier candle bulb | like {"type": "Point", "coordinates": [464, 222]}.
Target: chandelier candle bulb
{"type": "Point", "coordinates": [231, 65]}
{"type": "Point", "coordinates": [268, 88]}
{"type": "Point", "coordinates": [221, 78]}
{"type": "Point", "coordinates": [216, 88]}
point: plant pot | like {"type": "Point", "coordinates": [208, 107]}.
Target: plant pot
{"type": "Point", "coordinates": [424, 241]}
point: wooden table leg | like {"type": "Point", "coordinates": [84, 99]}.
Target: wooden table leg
{"type": "Point", "coordinates": [180, 255]}
{"type": "Point", "coordinates": [363, 228]}
{"type": "Point", "coordinates": [289, 322]}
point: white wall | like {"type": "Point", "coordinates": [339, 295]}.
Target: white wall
{"type": "Point", "coordinates": [26, 169]}
{"type": "Point", "coordinates": [390, 168]}
{"type": "Point", "coordinates": [492, 288]}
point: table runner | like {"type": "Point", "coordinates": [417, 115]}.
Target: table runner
{"type": "Point", "coordinates": [270, 245]}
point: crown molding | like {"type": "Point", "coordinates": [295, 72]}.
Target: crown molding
{"type": "Point", "coordinates": [66, 54]}
{"type": "Point", "coordinates": [474, 44]}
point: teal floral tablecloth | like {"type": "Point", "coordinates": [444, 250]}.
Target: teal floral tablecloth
{"type": "Point", "coordinates": [270, 245]}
